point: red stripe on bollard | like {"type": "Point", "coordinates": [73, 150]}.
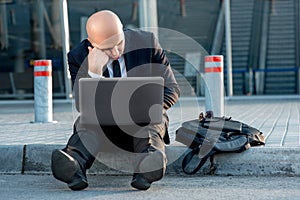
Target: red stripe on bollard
{"type": "Point", "coordinates": [213, 69]}
{"type": "Point", "coordinates": [213, 59]}
{"type": "Point", "coordinates": [44, 63]}
{"type": "Point", "coordinates": [43, 73]}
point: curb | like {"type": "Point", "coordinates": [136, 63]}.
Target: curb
{"type": "Point", "coordinates": [261, 161]}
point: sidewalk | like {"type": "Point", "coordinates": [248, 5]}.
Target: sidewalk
{"type": "Point", "coordinates": [25, 146]}
{"type": "Point", "coordinates": [20, 187]}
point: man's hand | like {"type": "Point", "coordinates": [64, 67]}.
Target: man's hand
{"type": "Point", "coordinates": [97, 60]}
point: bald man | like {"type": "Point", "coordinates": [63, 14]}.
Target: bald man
{"type": "Point", "coordinates": [110, 51]}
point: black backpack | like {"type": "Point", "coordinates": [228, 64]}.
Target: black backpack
{"type": "Point", "coordinates": [210, 135]}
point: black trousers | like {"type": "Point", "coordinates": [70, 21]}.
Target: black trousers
{"type": "Point", "coordinates": [88, 140]}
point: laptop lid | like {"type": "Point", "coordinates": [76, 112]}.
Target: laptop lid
{"type": "Point", "coordinates": [121, 101]}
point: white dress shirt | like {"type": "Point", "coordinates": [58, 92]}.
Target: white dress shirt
{"type": "Point", "coordinates": [110, 69]}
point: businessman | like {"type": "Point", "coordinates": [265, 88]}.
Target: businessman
{"type": "Point", "coordinates": [111, 51]}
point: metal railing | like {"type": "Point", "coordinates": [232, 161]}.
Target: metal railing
{"type": "Point", "coordinates": [254, 79]}
{"type": "Point", "coordinates": [20, 85]}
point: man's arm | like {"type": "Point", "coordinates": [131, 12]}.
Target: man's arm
{"type": "Point", "coordinates": [85, 62]}
{"type": "Point", "coordinates": [171, 88]}
{"type": "Point", "coordinates": [74, 66]}
{"type": "Point", "coordinates": [77, 70]}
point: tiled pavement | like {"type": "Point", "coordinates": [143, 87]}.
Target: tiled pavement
{"type": "Point", "coordinates": [277, 117]}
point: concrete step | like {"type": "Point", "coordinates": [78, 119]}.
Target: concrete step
{"type": "Point", "coordinates": [266, 161]}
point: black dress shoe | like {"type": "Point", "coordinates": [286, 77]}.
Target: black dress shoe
{"type": "Point", "coordinates": [151, 168]}
{"type": "Point", "coordinates": [65, 168]}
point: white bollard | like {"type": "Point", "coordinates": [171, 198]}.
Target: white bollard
{"type": "Point", "coordinates": [214, 88]}
{"type": "Point", "coordinates": [43, 91]}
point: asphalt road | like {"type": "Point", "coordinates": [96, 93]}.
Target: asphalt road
{"type": "Point", "coordinates": [170, 187]}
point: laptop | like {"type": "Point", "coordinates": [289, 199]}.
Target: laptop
{"type": "Point", "coordinates": [121, 101]}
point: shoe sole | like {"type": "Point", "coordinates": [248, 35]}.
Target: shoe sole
{"type": "Point", "coordinates": [63, 166]}
{"type": "Point", "coordinates": [78, 185]}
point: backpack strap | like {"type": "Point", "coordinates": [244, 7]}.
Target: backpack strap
{"type": "Point", "coordinates": [237, 144]}
{"type": "Point", "coordinates": [189, 157]}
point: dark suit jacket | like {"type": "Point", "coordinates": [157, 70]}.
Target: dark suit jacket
{"type": "Point", "coordinates": [143, 57]}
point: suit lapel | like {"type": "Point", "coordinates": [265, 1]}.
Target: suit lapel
{"type": "Point", "coordinates": [130, 60]}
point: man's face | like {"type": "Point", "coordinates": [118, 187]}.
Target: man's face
{"type": "Point", "coordinates": [113, 46]}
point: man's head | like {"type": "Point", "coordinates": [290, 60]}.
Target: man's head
{"type": "Point", "coordinates": [105, 32]}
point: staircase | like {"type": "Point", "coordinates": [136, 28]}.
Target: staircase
{"type": "Point", "coordinates": [242, 12]}
{"type": "Point", "coordinates": [281, 74]}
{"type": "Point", "coordinates": [280, 68]}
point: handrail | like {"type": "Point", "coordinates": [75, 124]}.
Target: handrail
{"type": "Point", "coordinates": [293, 69]}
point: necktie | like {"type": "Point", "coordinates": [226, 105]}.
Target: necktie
{"type": "Point", "coordinates": [116, 68]}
